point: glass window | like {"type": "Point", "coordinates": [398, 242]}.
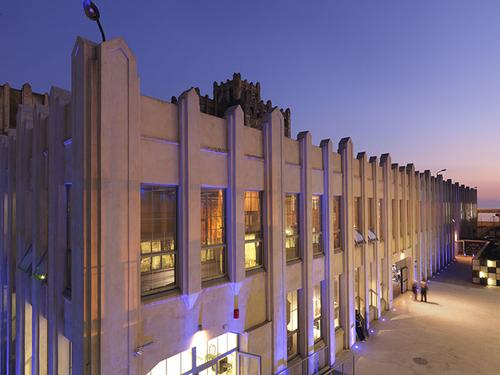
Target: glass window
{"type": "Point", "coordinates": [317, 226]}
{"type": "Point", "coordinates": [253, 230]}
{"type": "Point", "coordinates": [371, 216]}
{"type": "Point", "coordinates": [357, 213]}
{"type": "Point", "coordinates": [68, 239]}
{"type": "Point", "coordinates": [336, 223]}
{"type": "Point", "coordinates": [213, 236]}
{"type": "Point", "coordinates": [158, 238]}
{"type": "Point", "coordinates": [292, 236]}
{"type": "Point", "coordinates": [408, 217]}
{"type": "Point", "coordinates": [380, 218]}
{"type": "Point", "coordinates": [292, 323]}
{"type": "Point", "coordinates": [394, 217]}
{"type": "Point", "coordinates": [401, 218]}
{"type": "Point", "coordinates": [336, 300]}
{"type": "Point", "coordinates": [317, 312]}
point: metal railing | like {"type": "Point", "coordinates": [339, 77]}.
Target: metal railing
{"type": "Point", "coordinates": [316, 363]}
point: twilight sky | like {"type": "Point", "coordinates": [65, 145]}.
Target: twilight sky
{"type": "Point", "coordinates": [419, 79]}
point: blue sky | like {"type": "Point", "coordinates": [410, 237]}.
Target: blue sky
{"type": "Point", "coordinates": [418, 79]}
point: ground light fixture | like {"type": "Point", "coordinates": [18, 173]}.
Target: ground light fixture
{"type": "Point", "coordinates": [92, 13]}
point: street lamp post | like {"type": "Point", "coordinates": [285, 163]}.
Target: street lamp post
{"type": "Point", "coordinates": [440, 172]}
{"type": "Point", "coordinates": [92, 12]}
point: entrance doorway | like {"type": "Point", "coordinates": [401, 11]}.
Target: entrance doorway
{"type": "Point", "coordinates": [404, 279]}
{"type": "Point", "coordinates": [217, 356]}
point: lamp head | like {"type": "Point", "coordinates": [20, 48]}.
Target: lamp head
{"type": "Point", "coordinates": [91, 10]}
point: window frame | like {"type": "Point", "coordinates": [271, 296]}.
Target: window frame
{"type": "Point", "coordinates": [260, 240]}
{"type": "Point", "coordinates": [296, 235]}
{"type": "Point", "coordinates": [320, 248]}
{"type": "Point", "coordinates": [222, 245]}
{"type": "Point", "coordinates": [175, 252]}
{"type": "Point", "coordinates": [337, 223]}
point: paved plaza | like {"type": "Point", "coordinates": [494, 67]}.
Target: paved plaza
{"type": "Point", "coordinates": [456, 332]}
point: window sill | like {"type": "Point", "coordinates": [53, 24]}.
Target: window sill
{"type": "Point", "coordinates": [338, 250]}
{"type": "Point", "coordinates": [253, 271]}
{"type": "Point", "coordinates": [165, 294]}
{"type": "Point", "coordinates": [293, 261]}
{"type": "Point", "coordinates": [319, 344]}
{"type": "Point", "coordinates": [318, 255]}
{"type": "Point", "coordinates": [214, 282]}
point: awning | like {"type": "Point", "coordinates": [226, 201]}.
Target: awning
{"type": "Point", "coordinates": [358, 237]}
{"type": "Point", "coordinates": [372, 236]}
{"type": "Point", "coordinates": [26, 261]}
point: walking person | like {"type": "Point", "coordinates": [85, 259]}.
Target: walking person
{"type": "Point", "coordinates": [359, 327]}
{"type": "Point", "coordinates": [423, 290]}
{"type": "Point", "coordinates": [414, 289]}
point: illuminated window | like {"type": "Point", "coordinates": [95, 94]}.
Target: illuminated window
{"type": "Point", "coordinates": [213, 236]}
{"type": "Point", "coordinates": [317, 226]}
{"type": "Point", "coordinates": [292, 227]}
{"type": "Point", "coordinates": [336, 300]}
{"type": "Point", "coordinates": [336, 223]}
{"type": "Point", "coordinates": [158, 238]}
{"type": "Point", "coordinates": [253, 230]}
{"type": "Point", "coordinates": [317, 312]}
{"type": "Point", "coordinates": [292, 323]}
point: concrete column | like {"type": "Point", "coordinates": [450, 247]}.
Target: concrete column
{"type": "Point", "coordinates": [39, 228]}
{"type": "Point", "coordinates": [347, 291]}
{"type": "Point", "coordinates": [410, 176]}
{"type": "Point", "coordinates": [328, 302]}
{"type": "Point", "coordinates": [236, 194]}
{"type": "Point", "coordinates": [385, 162]}
{"type": "Point", "coordinates": [14, 354]}
{"type": "Point", "coordinates": [396, 225]}
{"type": "Point", "coordinates": [418, 226]}
{"type": "Point", "coordinates": [24, 220]}
{"type": "Point", "coordinates": [363, 163]}
{"type": "Point", "coordinates": [306, 316]}
{"type": "Point", "coordinates": [428, 225]}
{"type": "Point", "coordinates": [119, 207]}
{"type": "Point", "coordinates": [58, 105]}
{"type": "Point", "coordinates": [273, 153]}
{"type": "Point", "coordinates": [189, 191]}
{"type": "Point", "coordinates": [3, 251]}
{"type": "Point", "coordinates": [85, 283]}
{"type": "Point", "coordinates": [403, 219]}
{"type": "Point", "coordinates": [378, 247]}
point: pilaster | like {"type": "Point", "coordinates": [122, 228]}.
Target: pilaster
{"type": "Point", "coordinates": [347, 291]}
{"type": "Point", "coordinates": [385, 162]}
{"type": "Point", "coordinates": [273, 129]}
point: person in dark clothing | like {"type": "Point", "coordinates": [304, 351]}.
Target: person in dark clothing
{"type": "Point", "coordinates": [423, 291]}
{"type": "Point", "coordinates": [414, 289]}
{"type": "Point", "coordinates": [359, 327]}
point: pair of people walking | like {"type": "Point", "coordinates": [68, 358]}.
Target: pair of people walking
{"type": "Point", "coordinates": [423, 290]}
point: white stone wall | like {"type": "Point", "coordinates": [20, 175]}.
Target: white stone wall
{"type": "Point", "coordinates": [105, 138]}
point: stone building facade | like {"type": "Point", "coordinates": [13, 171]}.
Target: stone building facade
{"type": "Point", "coordinates": [140, 236]}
